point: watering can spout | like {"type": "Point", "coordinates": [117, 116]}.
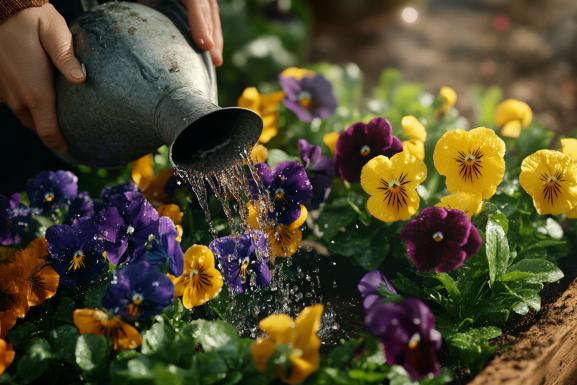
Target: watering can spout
{"type": "Point", "coordinates": [147, 85]}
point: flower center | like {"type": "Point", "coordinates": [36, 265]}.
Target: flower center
{"type": "Point", "coordinates": [243, 269]}
{"type": "Point", "coordinates": [470, 164]}
{"type": "Point", "coordinates": [395, 191]}
{"type": "Point", "coordinates": [438, 236]}
{"type": "Point", "coordinates": [365, 150]}
{"type": "Point", "coordinates": [193, 273]}
{"type": "Point", "coordinates": [552, 187]}
{"type": "Point", "coordinates": [415, 339]}
{"type": "Point", "coordinates": [279, 195]}
{"type": "Point", "coordinates": [305, 99]}
{"type": "Point", "coordinates": [130, 230]}
{"type": "Point", "coordinates": [133, 307]}
{"type": "Point", "coordinates": [77, 261]}
{"type": "Point", "coordinates": [49, 197]}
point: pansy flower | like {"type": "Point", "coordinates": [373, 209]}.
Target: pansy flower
{"type": "Point", "coordinates": [200, 281]}
{"type": "Point", "coordinates": [369, 287]}
{"type": "Point", "coordinates": [124, 336]}
{"type": "Point", "coordinates": [391, 183]}
{"type": "Point", "coordinates": [14, 218]}
{"type": "Point", "coordinates": [121, 188]}
{"type": "Point", "coordinates": [321, 172]}
{"type": "Point", "coordinates": [287, 186]}
{"type": "Point", "coordinates": [284, 240]}
{"type": "Point", "coordinates": [7, 322]}
{"type": "Point", "coordinates": [450, 99]}
{"type": "Point", "coordinates": [150, 185]}
{"type": "Point", "coordinates": [162, 248]}
{"type": "Point", "coordinates": [259, 153]}
{"type": "Point", "coordinates": [297, 338]}
{"type": "Point", "coordinates": [472, 161]}
{"type": "Point", "coordinates": [440, 239]}
{"type": "Point", "coordinates": [362, 142]}
{"type": "Point", "coordinates": [41, 279]}
{"type": "Point", "coordinates": [308, 95]}
{"type": "Point", "coordinates": [470, 204]}
{"type": "Point", "coordinates": [243, 260]}
{"type": "Point", "coordinates": [550, 177]}
{"type": "Point", "coordinates": [407, 332]}
{"type": "Point", "coordinates": [511, 116]}
{"type": "Point", "coordinates": [174, 213]}
{"type": "Point", "coordinates": [7, 355]}
{"type": "Point", "coordinates": [138, 292]}
{"type": "Point", "coordinates": [13, 293]}
{"type": "Point", "coordinates": [330, 140]}
{"type": "Point", "coordinates": [50, 190]}
{"type": "Point", "coordinates": [126, 225]}
{"type": "Point", "coordinates": [265, 106]}
{"type": "Point", "coordinates": [76, 252]}
{"type": "Point", "coordinates": [569, 147]}
{"type": "Point", "coordinates": [417, 136]}
{"type": "Point", "coordinates": [81, 206]}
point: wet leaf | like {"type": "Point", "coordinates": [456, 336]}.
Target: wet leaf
{"type": "Point", "coordinates": [497, 249]}
{"type": "Point", "coordinates": [63, 340]}
{"type": "Point", "coordinates": [533, 271]}
{"type": "Point", "coordinates": [92, 352]}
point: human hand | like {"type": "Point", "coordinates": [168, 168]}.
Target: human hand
{"type": "Point", "coordinates": [204, 21]}
{"type": "Point", "coordinates": [30, 41]}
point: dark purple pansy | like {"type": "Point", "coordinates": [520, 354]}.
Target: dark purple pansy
{"type": "Point", "coordinates": [407, 332]}
{"type": "Point", "coordinates": [110, 191]}
{"type": "Point", "coordinates": [362, 142]}
{"type": "Point", "coordinates": [14, 218]}
{"type": "Point", "coordinates": [138, 292]}
{"type": "Point", "coordinates": [81, 206]}
{"type": "Point", "coordinates": [243, 260]}
{"type": "Point", "coordinates": [50, 190]}
{"type": "Point", "coordinates": [126, 225]}
{"type": "Point", "coordinates": [287, 185]}
{"type": "Point", "coordinates": [321, 172]}
{"type": "Point", "coordinates": [163, 248]}
{"type": "Point", "coordinates": [76, 252]}
{"type": "Point", "coordinates": [310, 97]}
{"type": "Point", "coordinates": [440, 239]}
{"type": "Point", "coordinates": [369, 286]}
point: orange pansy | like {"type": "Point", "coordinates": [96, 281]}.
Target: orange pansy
{"type": "Point", "coordinates": [98, 322]}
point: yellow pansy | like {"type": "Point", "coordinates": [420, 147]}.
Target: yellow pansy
{"type": "Point", "coordinates": [550, 177]}
{"type": "Point", "coordinates": [143, 171]}
{"type": "Point", "coordinates": [414, 129]}
{"type": "Point", "coordinates": [259, 153]}
{"type": "Point", "coordinates": [124, 336]}
{"type": "Point", "coordinates": [569, 147]}
{"type": "Point", "coordinates": [330, 139]}
{"type": "Point", "coordinates": [265, 106]}
{"type": "Point", "coordinates": [283, 240]}
{"type": "Point", "coordinates": [391, 184]}
{"type": "Point", "coordinates": [200, 282]}
{"type": "Point", "coordinates": [171, 211]}
{"type": "Point", "coordinates": [472, 161]}
{"type": "Point", "coordinates": [450, 99]}
{"type": "Point", "coordinates": [470, 204]}
{"type": "Point", "coordinates": [150, 185]}
{"type": "Point", "coordinates": [297, 73]}
{"type": "Point", "coordinates": [415, 147]}
{"type": "Point", "coordinates": [511, 116]}
{"type": "Point", "coordinates": [299, 336]}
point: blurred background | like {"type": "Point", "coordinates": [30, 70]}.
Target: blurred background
{"type": "Point", "coordinates": [528, 48]}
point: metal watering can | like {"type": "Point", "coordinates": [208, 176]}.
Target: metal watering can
{"type": "Point", "coordinates": [147, 85]}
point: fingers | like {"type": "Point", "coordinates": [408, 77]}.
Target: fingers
{"type": "Point", "coordinates": [25, 118]}
{"type": "Point", "coordinates": [216, 52]}
{"type": "Point", "coordinates": [200, 21]}
{"type": "Point", "coordinates": [46, 123]}
{"type": "Point", "coordinates": [56, 40]}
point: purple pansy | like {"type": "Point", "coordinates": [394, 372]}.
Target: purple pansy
{"type": "Point", "coordinates": [163, 248]}
{"type": "Point", "coordinates": [126, 225]}
{"type": "Point", "coordinates": [81, 206]}
{"type": "Point", "coordinates": [369, 286]}
{"type": "Point", "coordinates": [407, 332]}
{"type": "Point", "coordinates": [14, 218]}
{"type": "Point", "coordinates": [108, 192]}
{"type": "Point", "coordinates": [287, 185]}
{"type": "Point", "coordinates": [76, 252]}
{"type": "Point", "coordinates": [440, 239]}
{"type": "Point", "coordinates": [50, 190]}
{"type": "Point", "coordinates": [243, 260]}
{"type": "Point", "coordinates": [362, 142]}
{"type": "Point", "coordinates": [310, 97]}
{"type": "Point", "coordinates": [138, 292]}
{"type": "Point", "coordinates": [321, 172]}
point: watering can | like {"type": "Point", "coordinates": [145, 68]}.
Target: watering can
{"type": "Point", "coordinates": [147, 84]}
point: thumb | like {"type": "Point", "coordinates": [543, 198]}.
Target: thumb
{"type": "Point", "coordinates": [56, 40]}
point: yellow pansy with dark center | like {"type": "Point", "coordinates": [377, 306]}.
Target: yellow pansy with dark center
{"type": "Point", "coordinates": [550, 177]}
{"type": "Point", "coordinates": [391, 184]}
{"type": "Point", "coordinates": [124, 336]}
{"type": "Point", "coordinates": [77, 261]}
{"type": "Point", "coordinates": [365, 150]}
{"type": "Point", "coordinates": [472, 161]}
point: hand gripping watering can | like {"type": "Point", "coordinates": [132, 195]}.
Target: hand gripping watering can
{"type": "Point", "coordinates": [147, 84]}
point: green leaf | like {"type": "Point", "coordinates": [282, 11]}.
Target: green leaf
{"type": "Point", "coordinates": [41, 347]}
{"type": "Point", "coordinates": [533, 271]}
{"type": "Point", "coordinates": [276, 156]}
{"type": "Point", "coordinates": [497, 249]}
{"type": "Point", "coordinates": [175, 311]}
{"type": "Point", "coordinates": [92, 352]}
{"type": "Point", "coordinates": [534, 254]}
{"type": "Point", "coordinates": [95, 293]}
{"type": "Point", "coordinates": [63, 340]}
{"type": "Point", "coordinates": [333, 218]}
{"type": "Point", "coordinates": [545, 243]}
{"type": "Point", "coordinates": [368, 250]}
{"type": "Point", "coordinates": [208, 368]}
{"type": "Point", "coordinates": [406, 286]}
{"type": "Point", "coordinates": [449, 284]}
{"type": "Point", "coordinates": [65, 310]}
{"type": "Point", "coordinates": [31, 366]}
{"type": "Point", "coordinates": [372, 256]}
{"type": "Point", "coordinates": [19, 334]}
{"type": "Point", "coordinates": [158, 339]}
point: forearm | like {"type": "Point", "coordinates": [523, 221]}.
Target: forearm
{"type": "Point", "coordinates": [10, 7]}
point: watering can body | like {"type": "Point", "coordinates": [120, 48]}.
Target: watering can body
{"type": "Point", "coordinates": [147, 85]}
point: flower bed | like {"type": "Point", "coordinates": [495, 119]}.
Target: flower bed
{"type": "Point", "coordinates": [132, 287]}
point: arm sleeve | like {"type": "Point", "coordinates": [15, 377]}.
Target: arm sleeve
{"type": "Point", "coordinates": [10, 7]}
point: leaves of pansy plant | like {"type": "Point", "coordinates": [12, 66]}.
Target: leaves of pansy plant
{"type": "Point", "coordinates": [92, 352]}
{"type": "Point", "coordinates": [63, 340]}
{"type": "Point", "coordinates": [533, 271]}
{"type": "Point", "coordinates": [333, 218]}
{"type": "Point", "coordinates": [497, 249]}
